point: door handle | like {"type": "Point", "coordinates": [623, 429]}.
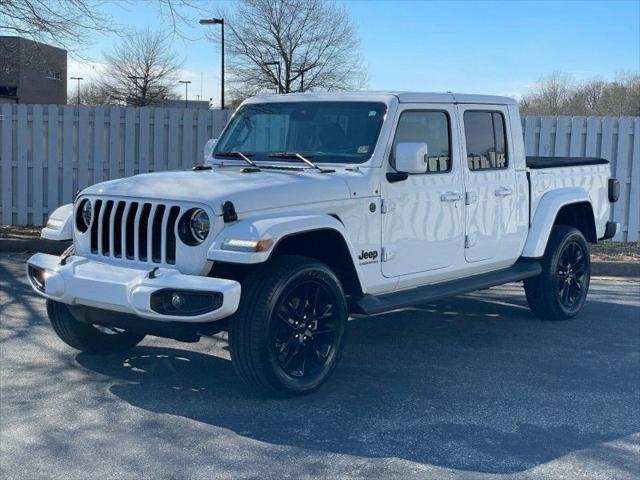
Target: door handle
{"type": "Point", "coordinates": [503, 192]}
{"type": "Point", "coordinates": [450, 197]}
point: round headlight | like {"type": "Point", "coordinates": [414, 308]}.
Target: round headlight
{"type": "Point", "coordinates": [84, 215]}
{"type": "Point", "coordinates": [194, 226]}
{"type": "Point", "coordinates": [199, 225]}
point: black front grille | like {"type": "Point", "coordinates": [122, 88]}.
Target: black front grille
{"type": "Point", "coordinates": [141, 231]}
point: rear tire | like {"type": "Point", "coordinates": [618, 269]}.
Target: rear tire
{"type": "Point", "coordinates": [288, 332]}
{"type": "Point", "coordinates": [560, 291]}
{"type": "Point", "coordinates": [86, 337]}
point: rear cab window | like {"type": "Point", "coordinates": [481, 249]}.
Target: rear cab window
{"type": "Point", "coordinates": [485, 137]}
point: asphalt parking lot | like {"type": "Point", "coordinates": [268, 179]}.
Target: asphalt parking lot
{"type": "Point", "coordinates": [473, 387]}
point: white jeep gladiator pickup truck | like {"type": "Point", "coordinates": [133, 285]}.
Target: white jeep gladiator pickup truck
{"type": "Point", "coordinates": [311, 208]}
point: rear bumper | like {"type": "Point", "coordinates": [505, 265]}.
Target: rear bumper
{"type": "Point", "coordinates": [96, 284]}
{"type": "Point", "coordinates": [609, 231]}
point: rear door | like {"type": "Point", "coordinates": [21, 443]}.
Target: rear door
{"type": "Point", "coordinates": [491, 224]}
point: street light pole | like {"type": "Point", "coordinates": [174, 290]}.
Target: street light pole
{"type": "Point", "coordinates": [78, 79]}
{"type": "Point", "coordinates": [279, 69]}
{"type": "Point", "coordinates": [186, 91]}
{"type": "Point", "coordinates": [218, 21]}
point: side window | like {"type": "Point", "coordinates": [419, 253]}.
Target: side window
{"type": "Point", "coordinates": [486, 140]}
{"type": "Point", "coordinates": [431, 128]}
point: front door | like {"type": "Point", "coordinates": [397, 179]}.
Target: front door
{"type": "Point", "coordinates": [491, 230]}
{"type": "Point", "coordinates": [423, 226]}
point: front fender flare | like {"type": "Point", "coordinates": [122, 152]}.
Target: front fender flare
{"type": "Point", "coordinates": [60, 224]}
{"type": "Point", "coordinates": [545, 217]}
{"type": "Point", "coordinates": [273, 228]}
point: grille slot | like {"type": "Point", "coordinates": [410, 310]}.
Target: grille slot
{"type": "Point", "coordinates": [136, 231]}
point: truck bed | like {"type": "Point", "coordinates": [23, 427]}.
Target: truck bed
{"type": "Point", "coordinates": [554, 162]}
{"type": "Point", "coordinates": [547, 174]}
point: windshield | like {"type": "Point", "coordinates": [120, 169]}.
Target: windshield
{"type": "Point", "coordinates": [329, 132]}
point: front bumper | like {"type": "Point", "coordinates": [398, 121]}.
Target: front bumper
{"type": "Point", "coordinates": [81, 281]}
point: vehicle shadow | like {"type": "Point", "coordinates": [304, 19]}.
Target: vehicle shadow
{"type": "Point", "coordinates": [474, 383]}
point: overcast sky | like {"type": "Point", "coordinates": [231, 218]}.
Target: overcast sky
{"type": "Point", "coordinates": [474, 47]}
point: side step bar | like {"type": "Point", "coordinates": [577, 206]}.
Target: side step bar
{"type": "Point", "coordinates": [371, 304]}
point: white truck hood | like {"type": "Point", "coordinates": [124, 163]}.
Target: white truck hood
{"type": "Point", "coordinates": [248, 191]}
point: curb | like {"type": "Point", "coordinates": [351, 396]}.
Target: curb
{"type": "Point", "coordinates": [53, 247]}
{"type": "Point", "coordinates": [34, 245]}
{"type": "Point", "coordinates": [615, 269]}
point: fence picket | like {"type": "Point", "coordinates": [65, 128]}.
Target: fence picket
{"type": "Point", "coordinates": [52, 158]}
{"type": "Point", "coordinates": [67, 154]}
{"type": "Point", "coordinates": [593, 126]}
{"type": "Point", "coordinates": [634, 195]}
{"type": "Point", "coordinates": [143, 144]}
{"type": "Point", "coordinates": [546, 125]}
{"type": "Point", "coordinates": [563, 130]}
{"type": "Point", "coordinates": [83, 148]}
{"type": "Point", "coordinates": [172, 152]}
{"type": "Point", "coordinates": [6, 157]}
{"type": "Point", "coordinates": [114, 142]}
{"type": "Point", "coordinates": [576, 142]}
{"type": "Point", "coordinates": [187, 139]}
{"type": "Point", "coordinates": [158, 143]}
{"type": "Point", "coordinates": [98, 144]}
{"type": "Point", "coordinates": [37, 188]}
{"type": "Point", "coordinates": [201, 135]}
{"type": "Point", "coordinates": [129, 141]}
{"type": "Point", "coordinates": [21, 170]}
{"type": "Point", "coordinates": [622, 174]}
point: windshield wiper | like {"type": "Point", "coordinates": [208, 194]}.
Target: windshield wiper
{"type": "Point", "coordinates": [236, 154]}
{"type": "Point", "coordinates": [295, 155]}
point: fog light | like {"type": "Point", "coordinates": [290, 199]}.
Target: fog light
{"type": "Point", "coordinates": [38, 277]}
{"type": "Point", "coordinates": [178, 301]}
{"type": "Point", "coordinates": [186, 303]}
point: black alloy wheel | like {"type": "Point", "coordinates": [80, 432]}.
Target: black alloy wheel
{"type": "Point", "coordinates": [303, 333]}
{"type": "Point", "coordinates": [571, 274]}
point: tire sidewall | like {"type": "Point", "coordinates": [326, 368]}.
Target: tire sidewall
{"type": "Point", "coordinates": [319, 273]}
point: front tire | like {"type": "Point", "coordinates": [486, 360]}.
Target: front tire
{"type": "Point", "coordinates": [288, 333]}
{"type": "Point", "coordinates": [560, 291]}
{"type": "Point", "coordinates": [86, 337]}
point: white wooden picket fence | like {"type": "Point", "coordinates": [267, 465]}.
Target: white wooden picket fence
{"type": "Point", "coordinates": [616, 139]}
{"type": "Point", "coordinates": [48, 153]}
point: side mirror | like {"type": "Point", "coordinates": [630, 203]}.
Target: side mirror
{"type": "Point", "coordinates": [208, 148]}
{"type": "Point", "coordinates": [412, 157]}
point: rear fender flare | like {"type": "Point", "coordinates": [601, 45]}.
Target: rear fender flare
{"type": "Point", "coordinates": [545, 217]}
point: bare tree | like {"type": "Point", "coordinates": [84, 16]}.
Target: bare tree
{"type": "Point", "coordinates": [292, 45]}
{"type": "Point", "coordinates": [141, 70]}
{"type": "Point", "coordinates": [71, 23]}
{"type": "Point", "coordinates": [91, 93]}
{"type": "Point", "coordinates": [557, 94]}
